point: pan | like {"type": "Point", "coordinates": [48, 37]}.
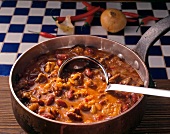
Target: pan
{"type": "Point", "coordinates": [123, 123]}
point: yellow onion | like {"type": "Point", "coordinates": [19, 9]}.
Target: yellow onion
{"type": "Point", "coordinates": [113, 20]}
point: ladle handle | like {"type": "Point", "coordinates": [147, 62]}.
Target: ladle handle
{"type": "Point", "coordinates": [151, 36]}
{"type": "Point", "coordinates": [141, 90]}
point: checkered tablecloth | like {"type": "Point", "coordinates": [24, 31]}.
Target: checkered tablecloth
{"type": "Point", "coordinates": [17, 17]}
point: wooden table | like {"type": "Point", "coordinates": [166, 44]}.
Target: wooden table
{"type": "Point", "coordinates": [155, 120]}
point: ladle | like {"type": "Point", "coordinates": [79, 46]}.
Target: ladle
{"type": "Point", "coordinates": [113, 87]}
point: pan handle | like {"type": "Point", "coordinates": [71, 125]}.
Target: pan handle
{"type": "Point", "coordinates": [151, 36]}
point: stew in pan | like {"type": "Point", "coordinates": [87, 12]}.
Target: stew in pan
{"type": "Point", "coordinates": [79, 96]}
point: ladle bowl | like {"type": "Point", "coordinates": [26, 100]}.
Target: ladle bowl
{"type": "Point", "coordinates": [111, 87]}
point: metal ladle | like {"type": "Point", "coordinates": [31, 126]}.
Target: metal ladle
{"type": "Point", "coordinates": [111, 87]}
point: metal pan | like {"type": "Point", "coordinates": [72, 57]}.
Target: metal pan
{"type": "Point", "coordinates": [123, 123]}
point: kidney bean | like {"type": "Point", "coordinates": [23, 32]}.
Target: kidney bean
{"type": "Point", "coordinates": [54, 111]}
{"type": "Point", "coordinates": [134, 97]}
{"type": "Point", "coordinates": [124, 107]}
{"type": "Point", "coordinates": [61, 103]}
{"type": "Point", "coordinates": [89, 51]}
{"type": "Point", "coordinates": [50, 90]}
{"type": "Point", "coordinates": [70, 94]}
{"type": "Point", "coordinates": [88, 72]}
{"type": "Point", "coordinates": [48, 115]}
{"type": "Point", "coordinates": [77, 111]}
{"type": "Point", "coordinates": [41, 103]}
{"type": "Point", "coordinates": [74, 116]}
{"type": "Point", "coordinates": [23, 84]}
{"type": "Point", "coordinates": [59, 62]}
{"type": "Point", "coordinates": [84, 107]}
{"type": "Point", "coordinates": [50, 100]}
{"type": "Point", "coordinates": [58, 93]}
{"type": "Point", "coordinates": [103, 102]}
{"type": "Point", "coordinates": [34, 91]}
{"type": "Point", "coordinates": [62, 56]}
{"type": "Point", "coordinates": [31, 82]}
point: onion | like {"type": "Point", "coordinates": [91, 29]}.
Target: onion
{"type": "Point", "coordinates": [113, 20]}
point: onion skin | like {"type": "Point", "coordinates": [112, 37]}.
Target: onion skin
{"type": "Point", "coordinates": [113, 20]}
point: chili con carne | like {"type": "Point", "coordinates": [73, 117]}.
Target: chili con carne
{"type": "Point", "coordinates": [79, 96]}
